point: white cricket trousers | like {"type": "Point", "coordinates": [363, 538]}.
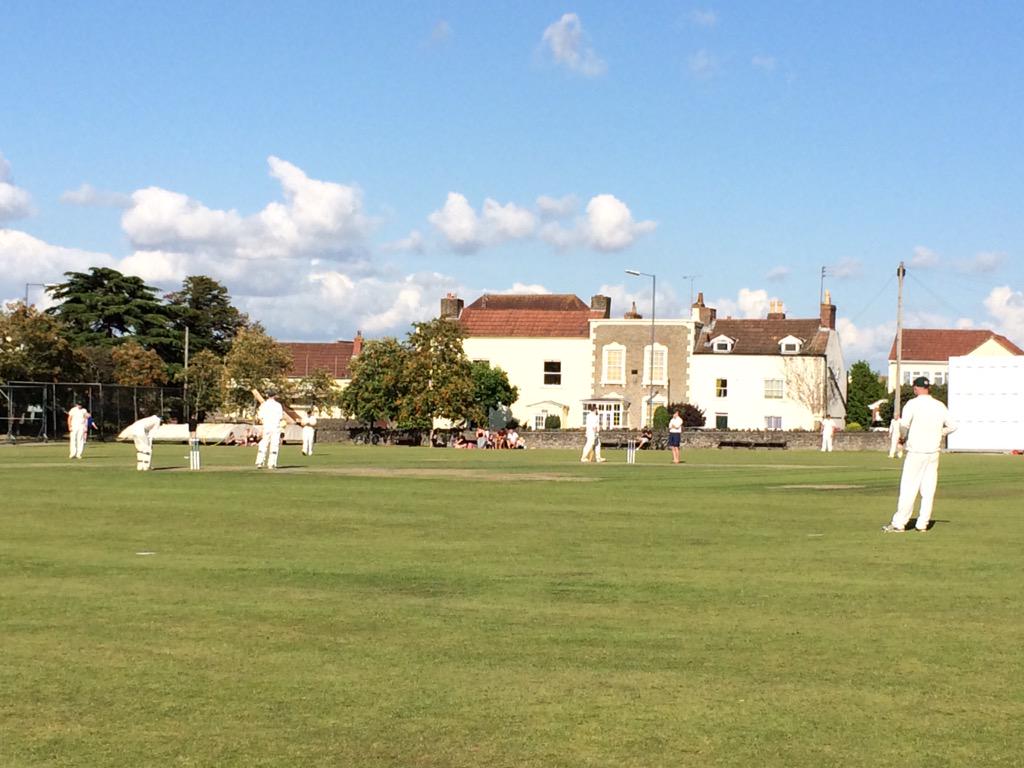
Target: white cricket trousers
{"type": "Point", "coordinates": [826, 442]}
{"type": "Point", "coordinates": [271, 440]}
{"type": "Point", "coordinates": [77, 443]}
{"type": "Point", "coordinates": [307, 440]}
{"type": "Point", "coordinates": [920, 475]}
{"type": "Point", "coordinates": [591, 449]}
{"type": "Point", "coordinates": [143, 452]}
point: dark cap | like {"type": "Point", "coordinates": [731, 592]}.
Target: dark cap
{"type": "Point", "coordinates": [922, 381]}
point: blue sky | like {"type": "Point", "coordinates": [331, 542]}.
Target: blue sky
{"type": "Point", "coordinates": [341, 166]}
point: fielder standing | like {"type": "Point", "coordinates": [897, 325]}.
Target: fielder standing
{"type": "Point", "coordinates": [592, 448]}
{"type": "Point", "coordinates": [142, 434]}
{"type": "Point", "coordinates": [924, 423]}
{"type": "Point", "coordinates": [270, 414]}
{"type": "Point", "coordinates": [828, 428]}
{"type": "Point", "coordinates": [308, 432]}
{"type": "Point", "coordinates": [78, 426]}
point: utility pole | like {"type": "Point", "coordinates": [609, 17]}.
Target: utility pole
{"type": "Point", "coordinates": [821, 290]}
{"type": "Point", "coordinates": [185, 388]}
{"type": "Point", "coordinates": [901, 271]}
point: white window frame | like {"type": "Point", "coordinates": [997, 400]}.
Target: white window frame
{"type": "Point", "coordinates": [605, 378]}
{"type": "Point", "coordinates": [610, 414]}
{"type": "Point", "coordinates": [723, 390]}
{"type": "Point", "coordinates": [539, 419]}
{"type": "Point", "coordinates": [772, 423]}
{"type": "Point", "coordinates": [545, 373]}
{"type": "Point", "coordinates": [774, 389]}
{"type": "Point", "coordinates": [721, 344]}
{"type": "Point", "coordinates": [790, 341]}
{"type": "Point", "coordinates": [662, 350]}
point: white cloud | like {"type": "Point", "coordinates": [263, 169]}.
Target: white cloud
{"type": "Point", "coordinates": [748, 304]}
{"type": "Point", "coordinates": [777, 274]}
{"type": "Point", "coordinates": [984, 262]}
{"type": "Point", "coordinates": [88, 196]}
{"type": "Point", "coordinates": [412, 243]}
{"type": "Point", "coordinates": [704, 17]}
{"type": "Point", "coordinates": [702, 64]}
{"type": "Point", "coordinates": [468, 232]}
{"type": "Point", "coordinates": [924, 258]}
{"type": "Point", "coordinates": [522, 288]}
{"type": "Point", "coordinates": [567, 43]}
{"type": "Point", "coordinates": [15, 202]}
{"type": "Point", "coordinates": [28, 259]}
{"type": "Point", "coordinates": [610, 225]}
{"type": "Point", "coordinates": [764, 63]}
{"type": "Point", "coordinates": [1006, 307]}
{"type": "Point", "coordinates": [317, 219]}
{"type": "Point", "coordinates": [847, 268]}
{"type": "Point", "coordinates": [870, 343]}
{"type": "Point", "coordinates": [556, 207]}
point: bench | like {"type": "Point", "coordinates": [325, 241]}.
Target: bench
{"type": "Point", "coordinates": [751, 444]}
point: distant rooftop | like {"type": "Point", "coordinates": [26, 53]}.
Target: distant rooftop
{"type": "Point", "coordinates": [548, 315]}
{"type": "Point", "coordinates": [936, 344]}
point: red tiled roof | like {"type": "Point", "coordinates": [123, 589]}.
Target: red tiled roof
{"type": "Point", "coordinates": [330, 356]}
{"type": "Point", "coordinates": [762, 337]}
{"type": "Point", "coordinates": [542, 315]}
{"type": "Point", "coordinates": [936, 344]}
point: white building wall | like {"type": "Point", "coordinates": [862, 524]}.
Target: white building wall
{"type": "Point", "coordinates": [523, 360]}
{"type": "Point", "coordinates": [986, 400]}
{"type": "Point", "coordinates": [746, 404]}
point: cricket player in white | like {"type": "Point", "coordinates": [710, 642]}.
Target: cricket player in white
{"type": "Point", "coordinates": [828, 427]}
{"type": "Point", "coordinates": [142, 434]}
{"type": "Point", "coordinates": [78, 425]}
{"type": "Point", "coordinates": [308, 432]}
{"type": "Point", "coordinates": [895, 444]}
{"type": "Point", "coordinates": [592, 448]}
{"type": "Point", "coordinates": [924, 422]}
{"type": "Point", "coordinates": [270, 414]}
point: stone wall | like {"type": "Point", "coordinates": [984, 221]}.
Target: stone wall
{"type": "Point", "coordinates": [338, 431]}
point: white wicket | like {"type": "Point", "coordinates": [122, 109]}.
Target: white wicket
{"type": "Point", "coordinates": [631, 451]}
{"type": "Point", "coordinates": [193, 453]}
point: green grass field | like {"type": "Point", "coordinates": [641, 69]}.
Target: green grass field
{"type": "Point", "coordinates": [417, 607]}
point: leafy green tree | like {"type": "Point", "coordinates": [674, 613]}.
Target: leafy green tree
{"type": "Point", "coordinates": [552, 421]}
{"type": "Point", "coordinates": [378, 385]}
{"type": "Point", "coordinates": [205, 379]}
{"type": "Point", "coordinates": [939, 391]}
{"type": "Point", "coordinates": [102, 306]}
{"type": "Point", "coordinates": [204, 306]}
{"type": "Point", "coordinates": [258, 362]}
{"type": "Point", "coordinates": [137, 367]}
{"type": "Point", "coordinates": [319, 390]}
{"type": "Point", "coordinates": [439, 376]}
{"type": "Point", "coordinates": [94, 363]}
{"type": "Point", "coordinates": [692, 416]}
{"type": "Point", "coordinates": [864, 387]}
{"type": "Point", "coordinates": [32, 347]}
{"type": "Point", "coordinates": [491, 389]}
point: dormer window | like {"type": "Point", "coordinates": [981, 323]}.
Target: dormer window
{"type": "Point", "coordinates": [790, 345]}
{"type": "Point", "coordinates": [721, 344]}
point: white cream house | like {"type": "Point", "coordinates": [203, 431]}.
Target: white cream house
{"type": "Point", "coordinates": [770, 374]}
{"type": "Point", "coordinates": [926, 352]}
{"type": "Point", "coordinates": [541, 341]}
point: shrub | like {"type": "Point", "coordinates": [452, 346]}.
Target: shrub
{"type": "Point", "coordinates": [692, 415]}
{"type": "Point", "coordinates": [552, 421]}
{"type": "Point", "coordinates": [853, 426]}
{"type": "Point", "coordinates": [661, 417]}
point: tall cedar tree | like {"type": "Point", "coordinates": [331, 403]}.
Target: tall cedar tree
{"type": "Point", "coordinates": [204, 306]}
{"type": "Point", "coordinates": [102, 306]}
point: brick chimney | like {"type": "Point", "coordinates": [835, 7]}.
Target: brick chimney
{"type": "Point", "coordinates": [776, 310]}
{"type": "Point", "coordinates": [602, 304]}
{"type": "Point", "coordinates": [828, 312]}
{"type": "Point", "coordinates": [357, 344]}
{"type": "Point", "coordinates": [700, 313]}
{"type": "Point", "coordinates": [451, 307]}
{"type": "Point", "coordinates": [633, 314]}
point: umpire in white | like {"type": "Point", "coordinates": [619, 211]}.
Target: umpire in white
{"type": "Point", "coordinates": [924, 422]}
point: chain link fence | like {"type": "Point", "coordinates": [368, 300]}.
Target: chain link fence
{"type": "Point", "coordinates": [37, 411]}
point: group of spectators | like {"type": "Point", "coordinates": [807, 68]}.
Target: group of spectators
{"type": "Point", "coordinates": [495, 439]}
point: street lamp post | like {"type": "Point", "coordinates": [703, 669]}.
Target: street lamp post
{"type": "Point", "coordinates": [34, 285]}
{"type": "Point", "coordinates": [654, 284]}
